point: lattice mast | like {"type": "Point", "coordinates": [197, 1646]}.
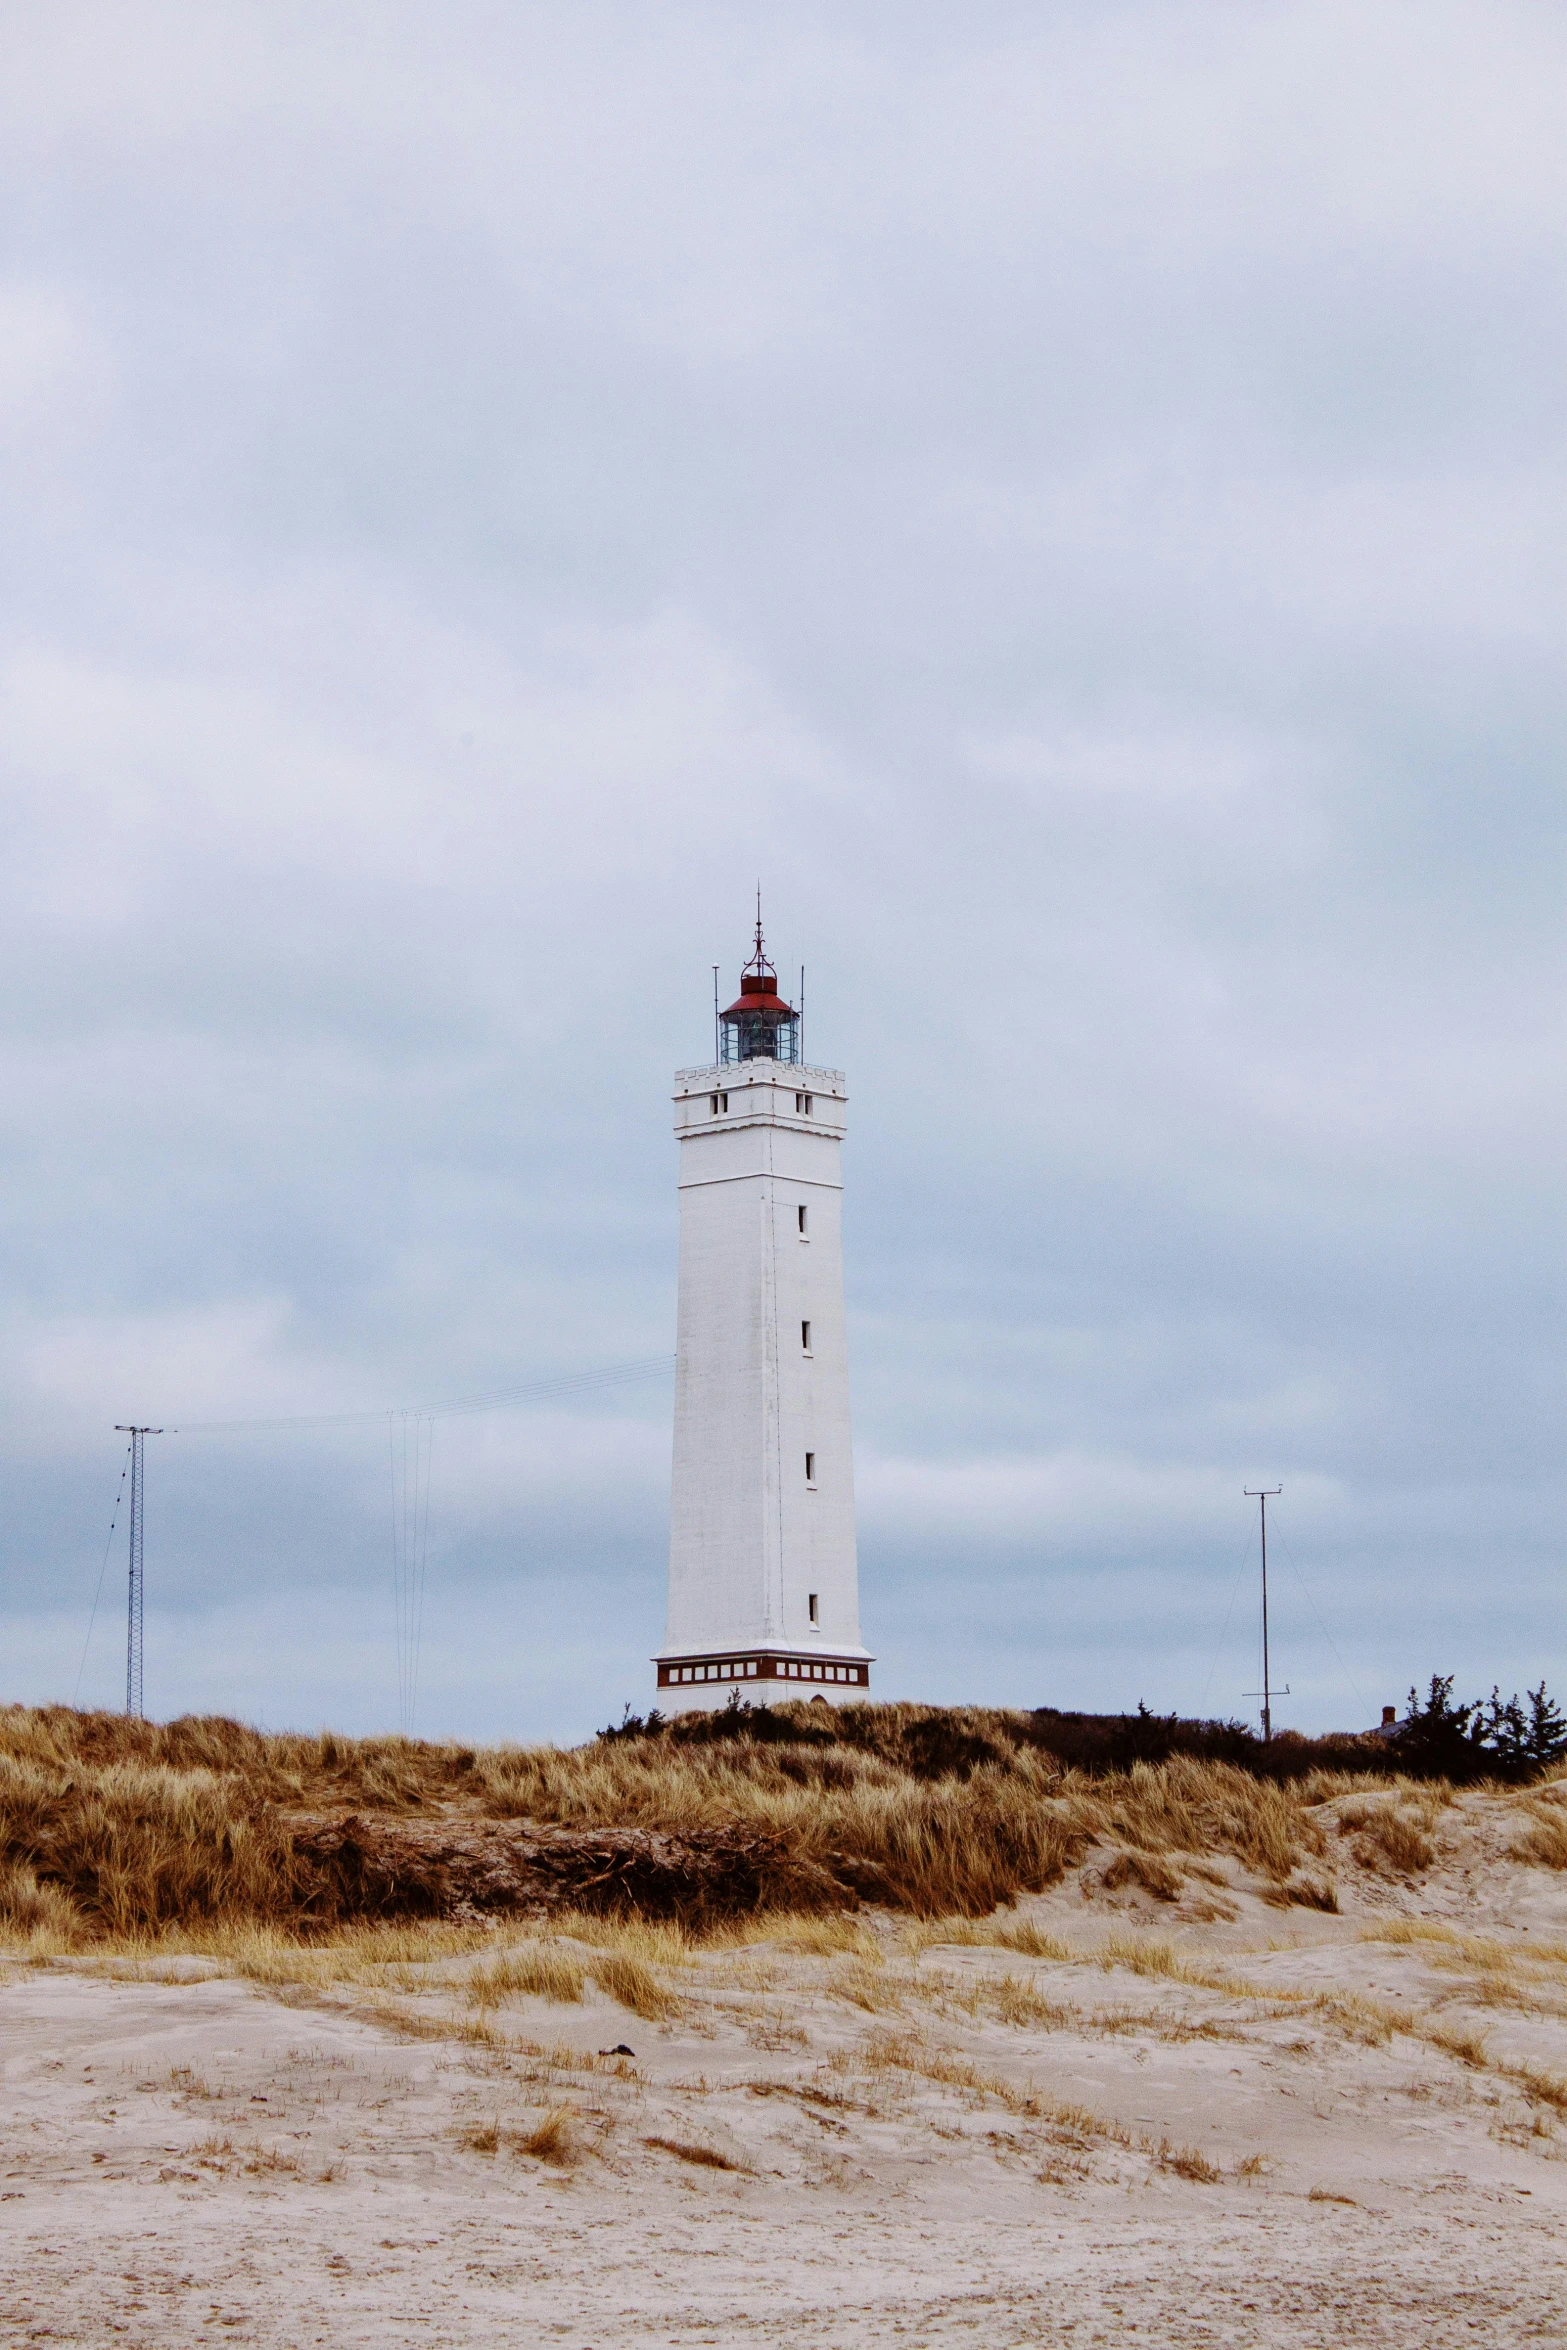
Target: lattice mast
{"type": "Point", "coordinates": [134, 1644]}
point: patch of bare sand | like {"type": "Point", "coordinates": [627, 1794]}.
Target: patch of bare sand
{"type": "Point", "coordinates": [1120, 2118]}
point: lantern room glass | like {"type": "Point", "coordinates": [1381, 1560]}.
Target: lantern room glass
{"type": "Point", "coordinates": [767, 1033]}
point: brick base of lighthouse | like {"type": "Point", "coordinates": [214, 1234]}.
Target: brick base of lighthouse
{"type": "Point", "coordinates": [691, 1684]}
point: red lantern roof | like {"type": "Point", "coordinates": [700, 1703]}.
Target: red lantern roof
{"type": "Point", "coordinates": [759, 993]}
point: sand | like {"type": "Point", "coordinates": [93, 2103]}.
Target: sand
{"type": "Point", "coordinates": [1331, 2137]}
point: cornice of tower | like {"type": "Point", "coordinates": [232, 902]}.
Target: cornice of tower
{"type": "Point", "coordinates": [722, 1073]}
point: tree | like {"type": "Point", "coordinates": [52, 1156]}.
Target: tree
{"type": "Point", "coordinates": [1503, 1738]}
{"type": "Point", "coordinates": [1439, 1738]}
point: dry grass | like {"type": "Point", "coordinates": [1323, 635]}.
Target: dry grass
{"type": "Point", "coordinates": [1465, 2047]}
{"type": "Point", "coordinates": [1478, 1949]}
{"type": "Point", "coordinates": [555, 2139]}
{"type": "Point", "coordinates": [1370, 2023]}
{"type": "Point", "coordinates": [1544, 2088]}
{"type": "Point", "coordinates": [1151, 1872]}
{"type": "Point", "coordinates": [630, 1981]}
{"type": "Point", "coordinates": [1075, 2125]}
{"type": "Point", "coordinates": [116, 1829]}
{"type": "Point", "coordinates": [825, 1937]}
{"type": "Point", "coordinates": [369, 1955]}
{"type": "Point", "coordinates": [908, 2052]}
{"type": "Point", "coordinates": [1002, 1998]}
{"type": "Point", "coordinates": [874, 1988]}
{"type": "Point", "coordinates": [1304, 1892]}
{"type": "Point", "coordinates": [130, 1833]}
{"type": "Point", "coordinates": [1000, 1933]}
{"type": "Point", "coordinates": [1394, 1834]}
{"type": "Point", "coordinates": [704, 2157]}
{"type": "Point", "coordinates": [538, 1970]}
{"type": "Point", "coordinates": [1197, 1808]}
{"type": "Point", "coordinates": [1159, 1961]}
{"type": "Point", "coordinates": [1544, 1842]}
{"type": "Point", "coordinates": [42, 1915]}
{"type": "Point", "coordinates": [655, 1941]}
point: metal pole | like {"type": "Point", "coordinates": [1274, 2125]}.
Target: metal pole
{"type": "Point", "coordinates": [717, 1057]}
{"type": "Point", "coordinates": [1261, 1493]}
{"type": "Point", "coordinates": [134, 1674]}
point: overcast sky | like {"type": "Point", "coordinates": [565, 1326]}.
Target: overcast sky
{"type": "Point", "coordinates": [1071, 497]}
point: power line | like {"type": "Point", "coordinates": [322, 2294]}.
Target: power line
{"type": "Point", "coordinates": [103, 1568]}
{"type": "Point", "coordinates": [410, 1477]}
{"type": "Point", "coordinates": [410, 1454]}
{"type": "Point", "coordinates": [541, 1391]}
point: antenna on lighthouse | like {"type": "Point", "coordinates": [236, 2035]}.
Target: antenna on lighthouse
{"type": "Point", "coordinates": [134, 1705]}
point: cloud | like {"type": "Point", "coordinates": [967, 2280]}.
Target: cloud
{"type": "Point", "coordinates": [1068, 499]}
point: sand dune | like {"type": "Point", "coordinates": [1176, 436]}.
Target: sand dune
{"type": "Point", "coordinates": [1202, 2118]}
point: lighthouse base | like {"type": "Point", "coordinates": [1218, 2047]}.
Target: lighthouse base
{"type": "Point", "coordinates": [706, 1684]}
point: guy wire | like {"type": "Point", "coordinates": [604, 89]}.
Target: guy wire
{"type": "Point", "coordinates": [1321, 1624]}
{"type": "Point", "coordinates": [102, 1571]}
{"type": "Point", "coordinates": [1229, 1611]}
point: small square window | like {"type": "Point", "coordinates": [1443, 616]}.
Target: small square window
{"type": "Point", "coordinates": [810, 1468]}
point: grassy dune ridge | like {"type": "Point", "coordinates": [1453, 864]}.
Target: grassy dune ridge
{"type": "Point", "coordinates": [112, 1827]}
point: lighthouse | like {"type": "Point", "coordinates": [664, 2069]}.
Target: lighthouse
{"type": "Point", "coordinates": [763, 1582]}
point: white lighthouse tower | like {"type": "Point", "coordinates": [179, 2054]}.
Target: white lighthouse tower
{"type": "Point", "coordinates": [763, 1584]}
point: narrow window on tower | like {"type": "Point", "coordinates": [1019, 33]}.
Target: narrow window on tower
{"type": "Point", "coordinates": [811, 1604]}
{"type": "Point", "coordinates": [805, 1338]}
{"type": "Point", "coordinates": [810, 1468]}
{"type": "Point", "coordinates": [803, 1216]}
{"type": "Point", "coordinates": [806, 1100]}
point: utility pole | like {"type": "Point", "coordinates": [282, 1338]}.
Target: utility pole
{"type": "Point", "coordinates": [1262, 1494]}
{"type": "Point", "coordinates": [133, 1621]}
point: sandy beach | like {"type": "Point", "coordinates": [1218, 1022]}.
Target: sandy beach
{"type": "Point", "coordinates": [1208, 2120]}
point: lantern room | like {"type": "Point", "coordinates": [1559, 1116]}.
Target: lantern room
{"type": "Point", "coordinates": [759, 1025]}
